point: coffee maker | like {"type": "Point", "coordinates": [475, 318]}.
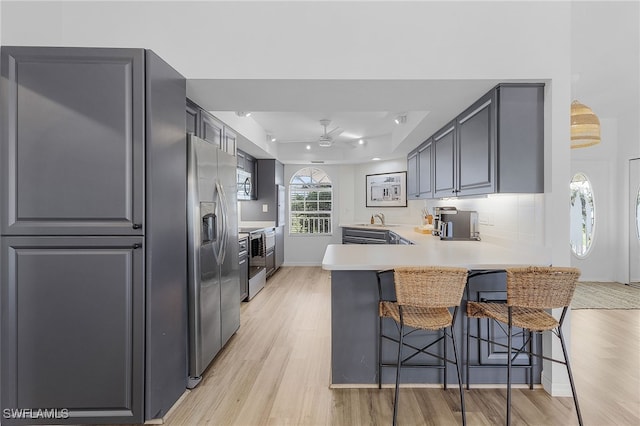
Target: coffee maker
{"type": "Point", "coordinates": [437, 218]}
{"type": "Point", "coordinates": [453, 224]}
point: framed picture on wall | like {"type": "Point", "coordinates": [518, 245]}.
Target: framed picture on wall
{"type": "Point", "coordinates": [387, 190]}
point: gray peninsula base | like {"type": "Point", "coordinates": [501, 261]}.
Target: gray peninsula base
{"type": "Point", "coordinates": [354, 337]}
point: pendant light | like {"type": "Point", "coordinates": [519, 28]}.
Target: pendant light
{"type": "Point", "coordinates": [585, 126]}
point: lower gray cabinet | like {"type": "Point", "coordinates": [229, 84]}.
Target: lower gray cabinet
{"type": "Point", "coordinates": [279, 246]}
{"type": "Point", "coordinates": [364, 236]}
{"type": "Point", "coordinates": [73, 327]}
{"type": "Point", "coordinates": [488, 361]}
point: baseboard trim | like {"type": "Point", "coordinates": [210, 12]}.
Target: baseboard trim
{"type": "Point", "coordinates": [161, 421]}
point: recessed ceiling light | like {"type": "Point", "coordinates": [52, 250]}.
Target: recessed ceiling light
{"type": "Point", "coordinates": [361, 142]}
{"type": "Point", "coordinates": [243, 113]}
{"type": "Point", "coordinates": [308, 146]}
{"type": "Point", "coordinates": [375, 159]}
{"type": "Point", "coordinates": [273, 138]}
{"type": "Point", "coordinates": [400, 119]}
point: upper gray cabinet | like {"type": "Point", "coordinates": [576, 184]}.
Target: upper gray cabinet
{"type": "Point", "coordinates": [413, 174]}
{"type": "Point", "coordinates": [72, 145]}
{"type": "Point", "coordinates": [419, 172]}
{"type": "Point", "coordinates": [475, 130]}
{"type": "Point", "coordinates": [520, 138]}
{"type": "Point", "coordinates": [495, 145]}
{"type": "Point", "coordinates": [230, 141]}
{"type": "Point", "coordinates": [444, 161]}
{"type": "Point", "coordinates": [211, 129]}
{"type": "Point", "coordinates": [424, 165]}
{"type": "Point", "coordinates": [192, 118]}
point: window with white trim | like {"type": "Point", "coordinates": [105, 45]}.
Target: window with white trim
{"type": "Point", "coordinates": [310, 202]}
{"type": "Point", "coordinates": [583, 215]}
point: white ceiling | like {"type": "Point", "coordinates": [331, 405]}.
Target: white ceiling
{"type": "Point", "coordinates": [605, 62]}
{"type": "Point", "coordinates": [291, 111]}
{"type": "Point", "coordinates": [427, 58]}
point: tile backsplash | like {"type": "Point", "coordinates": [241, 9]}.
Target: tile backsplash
{"type": "Point", "coordinates": [514, 217]}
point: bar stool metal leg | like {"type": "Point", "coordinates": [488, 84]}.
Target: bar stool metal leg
{"type": "Point", "coordinates": [509, 339]}
{"type": "Point", "coordinates": [460, 385]}
{"type": "Point", "coordinates": [379, 352]}
{"type": "Point", "coordinates": [573, 386]}
{"type": "Point", "coordinates": [444, 338]}
{"type": "Point", "coordinates": [399, 366]}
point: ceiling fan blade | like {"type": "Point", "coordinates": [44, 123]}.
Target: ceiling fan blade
{"type": "Point", "coordinates": [335, 132]}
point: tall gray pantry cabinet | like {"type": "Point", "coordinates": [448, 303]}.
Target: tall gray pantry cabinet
{"type": "Point", "coordinates": [93, 224]}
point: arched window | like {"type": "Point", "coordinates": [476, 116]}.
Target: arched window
{"type": "Point", "coordinates": [583, 215]}
{"type": "Point", "coordinates": [310, 202]}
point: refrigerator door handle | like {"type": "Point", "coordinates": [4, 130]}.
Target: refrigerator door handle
{"type": "Point", "coordinates": [225, 230]}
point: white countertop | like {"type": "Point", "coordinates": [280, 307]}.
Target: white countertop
{"type": "Point", "coordinates": [429, 251]}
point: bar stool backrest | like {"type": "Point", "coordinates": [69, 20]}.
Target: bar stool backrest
{"type": "Point", "coordinates": [541, 287]}
{"type": "Point", "coordinates": [430, 287]}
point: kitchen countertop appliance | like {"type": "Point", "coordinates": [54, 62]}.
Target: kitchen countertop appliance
{"type": "Point", "coordinates": [453, 224]}
{"type": "Point", "coordinates": [214, 282]}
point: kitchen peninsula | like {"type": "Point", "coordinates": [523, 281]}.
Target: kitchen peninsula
{"type": "Point", "coordinates": [354, 306]}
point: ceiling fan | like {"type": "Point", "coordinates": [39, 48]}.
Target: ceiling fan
{"type": "Point", "coordinates": [326, 139]}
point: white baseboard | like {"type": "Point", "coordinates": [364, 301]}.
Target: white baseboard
{"type": "Point", "coordinates": [555, 388]}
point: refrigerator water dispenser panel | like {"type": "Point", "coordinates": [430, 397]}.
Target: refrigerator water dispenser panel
{"type": "Point", "coordinates": [209, 231]}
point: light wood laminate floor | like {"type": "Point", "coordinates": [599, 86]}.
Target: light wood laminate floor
{"type": "Point", "coordinates": [275, 371]}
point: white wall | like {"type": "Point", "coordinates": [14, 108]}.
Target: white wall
{"type": "Point", "coordinates": [628, 148]}
{"type": "Point", "coordinates": [613, 92]}
{"type": "Point", "coordinates": [362, 214]}
{"type": "Point", "coordinates": [598, 164]}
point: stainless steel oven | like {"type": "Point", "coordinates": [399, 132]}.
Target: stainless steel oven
{"type": "Point", "coordinates": [257, 265]}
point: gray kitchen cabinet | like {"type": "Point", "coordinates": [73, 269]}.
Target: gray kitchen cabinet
{"type": "Point", "coordinates": [486, 359]}
{"type": "Point", "coordinates": [230, 141]}
{"type": "Point", "coordinates": [520, 135]}
{"type": "Point", "coordinates": [57, 135]}
{"type": "Point", "coordinates": [93, 233]}
{"type": "Point", "coordinates": [72, 318]}
{"type": "Point", "coordinates": [192, 118]}
{"type": "Point", "coordinates": [372, 236]}
{"type": "Point", "coordinates": [495, 146]}
{"type": "Point", "coordinates": [412, 175]}
{"type": "Point", "coordinates": [424, 169]}
{"type": "Point", "coordinates": [419, 172]}
{"type": "Point", "coordinates": [364, 236]}
{"type": "Point", "coordinates": [211, 129]}
{"type": "Point", "coordinates": [444, 164]}
{"type": "Point", "coordinates": [476, 147]}
{"type": "Point", "coordinates": [279, 246]}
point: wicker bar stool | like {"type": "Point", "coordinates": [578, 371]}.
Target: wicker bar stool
{"type": "Point", "coordinates": [424, 298]}
{"type": "Point", "coordinates": [531, 290]}
{"type": "Point", "coordinates": [386, 305]}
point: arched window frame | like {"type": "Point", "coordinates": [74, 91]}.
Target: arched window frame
{"type": "Point", "coordinates": [580, 182]}
{"type": "Point", "coordinates": [310, 203]}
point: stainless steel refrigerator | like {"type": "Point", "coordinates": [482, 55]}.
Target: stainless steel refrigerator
{"type": "Point", "coordinates": [214, 280]}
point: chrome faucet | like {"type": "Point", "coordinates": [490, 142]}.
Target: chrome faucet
{"type": "Point", "coordinates": [381, 217]}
